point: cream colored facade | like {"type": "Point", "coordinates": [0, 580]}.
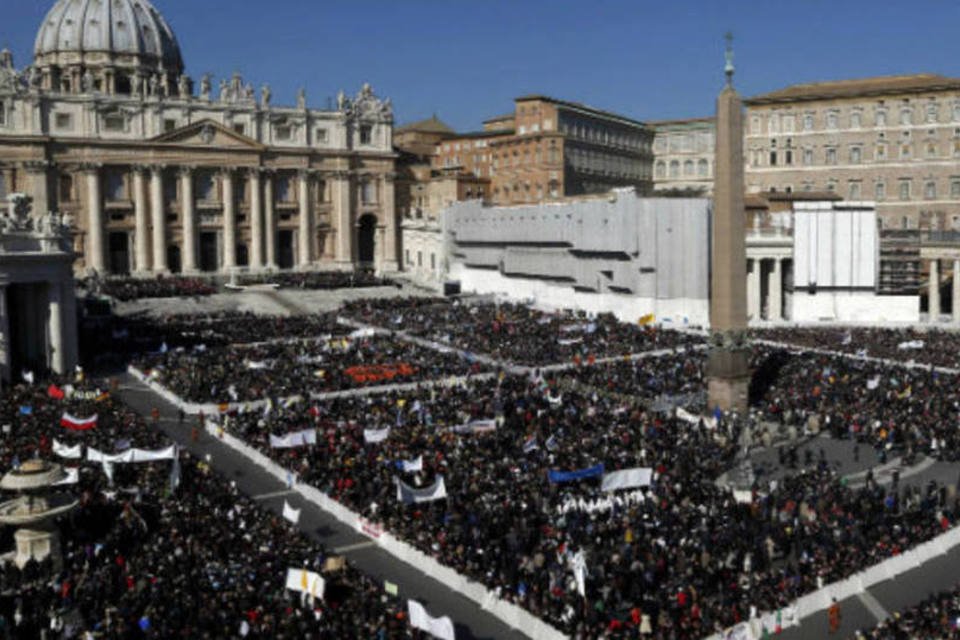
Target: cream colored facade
{"type": "Point", "coordinates": [683, 155]}
{"type": "Point", "coordinates": [160, 178]}
{"type": "Point", "coordinates": [893, 140]}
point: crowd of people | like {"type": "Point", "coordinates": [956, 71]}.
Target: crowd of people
{"type": "Point", "coordinates": [516, 333]}
{"type": "Point", "coordinates": [682, 559]}
{"type": "Point", "coordinates": [279, 369]}
{"type": "Point", "coordinates": [922, 346]}
{"type": "Point", "coordinates": [317, 279]}
{"type": "Point", "coordinates": [937, 618]}
{"type": "Point", "coordinates": [163, 549]}
{"type": "Point", "coordinates": [126, 289]}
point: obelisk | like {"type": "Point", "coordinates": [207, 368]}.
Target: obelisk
{"type": "Point", "coordinates": [728, 373]}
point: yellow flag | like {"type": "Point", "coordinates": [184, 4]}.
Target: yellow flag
{"type": "Point", "coordinates": [303, 580]}
{"type": "Point", "coordinates": [647, 319]}
{"type": "Point", "coordinates": [401, 402]}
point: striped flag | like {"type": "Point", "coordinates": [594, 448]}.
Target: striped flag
{"type": "Point", "coordinates": [78, 424]}
{"type": "Point", "coordinates": [530, 444]}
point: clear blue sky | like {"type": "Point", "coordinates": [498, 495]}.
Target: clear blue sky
{"type": "Point", "coordinates": [467, 60]}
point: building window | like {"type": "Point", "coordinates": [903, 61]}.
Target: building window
{"type": "Point", "coordinates": [366, 134]}
{"type": "Point", "coordinates": [62, 121]}
{"type": "Point", "coordinates": [881, 118]}
{"type": "Point", "coordinates": [832, 120]}
{"type": "Point", "coordinates": [688, 168]}
{"type": "Point", "coordinates": [773, 125]}
{"type": "Point", "coordinates": [284, 133]}
{"type": "Point", "coordinates": [321, 136]}
{"type": "Point", "coordinates": [282, 189]}
{"type": "Point", "coordinates": [956, 112]}
{"type": "Point", "coordinates": [905, 116]}
{"type": "Point", "coordinates": [409, 260]}
{"type": "Point", "coordinates": [931, 150]}
{"type": "Point", "coordinates": [904, 189]}
{"type": "Point", "coordinates": [905, 151]}
{"type": "Point", "coordinates": [881, 152]}
{"type": "Point", "coordinates": [239, 127]}
{"type": "Point", "coordinates": [855, 155]}
{"type": "Point", "coordinates": [930, 190]}
{"type": "Point", "coordinates": [932, 112]}
{"type": "Point", "coordinates": [433, 261]}
{"type": "Point", "coordinates": [881, 191]}
{"type": "Point", "coordinates": [703, 168]}
{"type": "Point", "coordinates": [65, 188]}
{"type": "Point", "coordinates": [661, 169]}
{"type": "Point", "coordinates": [674, 168]}
{"type": "Point", "coordinates": [788, 157]}
{"type": "Point", "coordinates": [773, 158]}
{"type": "Point", "coordinates": [419, 258]}
{"type": "Point", "coordinates": [755, 124]}
{"type": "Point", "coordinates": [169, 125]}
{"type": "Point", "coordinates": [855, 120]}
{"type": "Point", "coordinates": [3, 186]}
{"type": "Point", "coordinates": [831, 156]}
{"type": "Point", "coordinates": [955, 188]}
{"type": "Point", "coordinates": [3, 115]}
{"type": "Point", "coordinates": [204, 187]}
{"type": "Point", "coordinates": [854, 191]}
{"type": "Point", "coordinates": [808, 156]}
{"type": "Point", "coordinates": [368, 192]}
{"type": "Point", "coordinates": [115, 186]}
{"type": "Point", "coordinates": [114, 122]}
{"type": "Point", "coordinates": [808, 122]}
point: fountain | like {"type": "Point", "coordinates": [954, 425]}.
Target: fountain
{"type": "Point", "coordinates": [34, 510]}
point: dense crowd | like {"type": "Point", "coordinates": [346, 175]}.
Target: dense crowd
{"type": "Point", "coordinates": [126, 289]}
{"type": "Point", "coordinates": [937, 618]}
{"type": "Point", "coordinates": [317, 279]}
{"type": "Point", "coordinates": [166, 551]}
{"type": "Point", "coordinates": [516, 333]}
{"type": "Point", "coordinates": [681, 558]}
{"type": "Point", "coordinates": [923, 346]}
{"type": "Point", "coordinates": [275, 370]}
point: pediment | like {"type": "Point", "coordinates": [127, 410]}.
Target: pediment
{"type": "Point", "coordinates": [207, 133]}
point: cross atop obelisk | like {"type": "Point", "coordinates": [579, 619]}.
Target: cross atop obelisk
{"type": "Point", "coordinates": [727, 369]}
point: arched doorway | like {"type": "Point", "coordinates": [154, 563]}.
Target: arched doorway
{"type": "Point", "coordinates": [173, 259]}
{"type": "Point", "coordinates": [119, 252]}
{"type": "Point", "coordinates": [366, 240]}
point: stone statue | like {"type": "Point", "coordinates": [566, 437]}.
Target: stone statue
{"type": "Point", "coordinates": [86, 82]}
{"type": "Point", "coordinates": [265, 96]}
{"type": "Point", "coordinates": [33, 77]}
{"type": "Point", "coordinates": [236, 87]}
{"type": "Point", "coordinates": [205, 86]}
{"type": "Point", "coordinates": [341, 100]}
{"type": "Point", "coordinates": [249, 94]}
{"type": "Point", "coordinates": [224, 90]}
{"type": "Point", "coordinates": [302, 98]}
{"type": "Point", "coordinates": [366, 91]}
{"type": "Point", "coordinates": [386, 108]}
{"type": "Point", "coordinates": [183, 86]}
{"type": "Point", "coordinates": [164, 85]}
{"type": "Point", "coordinates": [154, 84]}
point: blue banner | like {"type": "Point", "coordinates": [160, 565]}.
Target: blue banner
{"type": "Point", "coordinates": [568, 476]}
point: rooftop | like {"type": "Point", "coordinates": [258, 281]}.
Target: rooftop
{"type": "Point", "coordinates": [861, 87]}
{"type": "Point", "coordinates": [681, 121]}
{"type": "Point", "coordinates": [587, 109]}
{"type": "Point", "coordinates": [430, 125]}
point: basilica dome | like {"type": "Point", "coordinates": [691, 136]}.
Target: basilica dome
{"type": "Point", "coordinates": [128, 37]}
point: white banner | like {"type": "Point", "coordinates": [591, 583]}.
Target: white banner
{"type": "Point", "coordinates": [62, 450]}
{"type": "Point", "coordinates": [412, 466]}
{"type": "Point", "coordinates": [437, 627]}
{"type": "Point", "coordinates": [132, 455]}
{"type": "Point", "coordinates": [372, 436]}
{"type": "Point", "coordinates": [366, 332]}
{"type": "Point", "coordinates": [686, 416]}
{"type": "Point", "coordinates": [410, 495]}
{"type": "Point", "coordinates": [72, 477]}
{"type": "Point", "coordinates": [294, 439]}
{"type": "Point", "coordinates": [627, 479]}
{"type": "Point", "coordinates": [477, 426]}
{"type": "Point", "coordinates": [291, 514]}
{"type": "Point", "coordinates": [306, 582]}
{"type": "Point", "coordinates": [912, 344]}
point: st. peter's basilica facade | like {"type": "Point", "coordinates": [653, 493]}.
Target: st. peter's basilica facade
{"type": "Point", "coordinates": [163, 174]}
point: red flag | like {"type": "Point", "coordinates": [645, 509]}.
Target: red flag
{"type": "Point", "coordinates": [78, 424]}
{"type": "Point", "coordinates": [55, 392]}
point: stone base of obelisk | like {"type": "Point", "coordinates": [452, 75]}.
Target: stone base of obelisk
{"type": "Point", "coordinates": [728, 379]}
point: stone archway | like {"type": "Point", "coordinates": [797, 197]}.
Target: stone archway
{"type": "Point", "coordinates": [367, 240]}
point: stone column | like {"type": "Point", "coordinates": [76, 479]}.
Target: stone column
{"type": "Point", "coordinates": [39, 172]}
{"type": "Point", "coordinates": [306, 224]}
{"type": "Point", "coordinates": [4, 337]}
{"type": "Point", "coordinates": [188, 213]}
{"type": "Point", "coordinates": [55, 327]}
{"type": "Point", "coordinates": [94, 254]}
{"type": "Point", "coordinates": [956, 290]}
{"type": "Point", "coordinates": [269, 221]}
{"type": "Point", "coordinates": [753, 290]}
{"type": "Point", "coordinates": [142, 221]}
{"type": "Point", "coordinates": [391, 230]}
{"type": "Point", "coordinates": [256, 221]}
{"type": "Point", "coordinates": [343, 217]}
{"type": "Point", "coordinates": [933, 291]}
{"type": "Point", "coordinates": [158, 220]}
{"type": "Point", "coordinates": [775, 292]}
{"type": "Point", "coordinates": [229, 221]}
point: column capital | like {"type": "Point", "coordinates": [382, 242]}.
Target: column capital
{"type": "Point", "coordinates": [340, 175]}
{"type": "Point", "coordinates": [306, 174]}
{"type": "Point", "coordinates": [89, 167]}
{"type": "Point", "coordinates": [255, 172]}
{"type": "Point", "coordinates": [36, 166]}
{"type": "Point", "coordinates": [156, 169]}
{"type": "Point", "coordinates": [226, 172]}
{"type": "Point", "coordinates": [186, 170]}
{"type": "Point", "coordinates": [389, 176]}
